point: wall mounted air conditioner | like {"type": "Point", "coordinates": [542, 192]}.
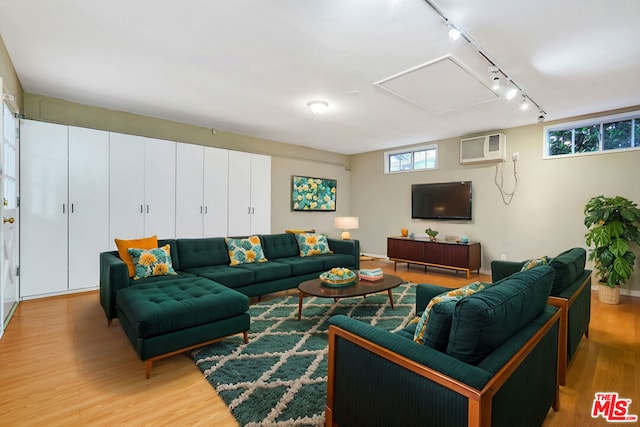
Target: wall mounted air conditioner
{"type": "Point", "coordinates": [487, 148]}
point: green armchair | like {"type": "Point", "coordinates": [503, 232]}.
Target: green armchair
{"type": "Point", "coordinates": [571, 291]}
{"type": "Point", "coordinates": [507, 375]}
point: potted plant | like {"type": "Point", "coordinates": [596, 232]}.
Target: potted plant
{"type": "Point", "coordinates": [612, 224]}
{"type": "Point", "coordinates": [431, 233]}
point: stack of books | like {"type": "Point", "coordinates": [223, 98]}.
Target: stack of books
{"type": "Point", "coordinates": [371, 274]}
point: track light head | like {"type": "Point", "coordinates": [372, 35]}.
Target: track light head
{"type": "Point", "coordinates": [541, 116]}
{"type": "Point", "coordinates": [496, 83]}
{"type": "Point", "coordinates": [454, 33]}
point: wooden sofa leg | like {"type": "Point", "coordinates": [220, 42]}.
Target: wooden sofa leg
{"type": "Point", "coordinates": [148, 365]}
{"type": "Point", "coordinates": [149, 362]}
{"type": "Point", "coordinates": [586, 332]}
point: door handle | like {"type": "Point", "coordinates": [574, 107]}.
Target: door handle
{"type": "Point", "coordinates": [8, 220]}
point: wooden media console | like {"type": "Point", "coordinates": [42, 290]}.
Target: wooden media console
{"type": "Point", "coordinates": [457, 256]}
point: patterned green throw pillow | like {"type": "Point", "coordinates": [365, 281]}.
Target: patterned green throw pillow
{"type": "Point", "coordinates": [245, 251]}
{"type": "Point", "coordinates": [535, 263]}
{"type": "Point", "coordinates": [312, 244]}
{"type": "Point", "coordinates": [151, 262]}
{"type": "Point", "coordinates": [452, 295]}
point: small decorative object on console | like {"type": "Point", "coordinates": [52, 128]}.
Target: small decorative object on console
{"type": "Point", "coordinates": [431, 233]}
{"type": "Point", "coordinates": [338, 276]}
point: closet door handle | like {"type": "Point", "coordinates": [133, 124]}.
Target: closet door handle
{"type": "Point", "coordinates": [141, 209]}
{"type": "Point", "coordinates": [200, 209]}
{"type": "Point", "coordinates": [253, 211]}
{"type": "Point", "coordinates": [249, 210]}
{"type": "Point", "coordinates": [64, 208]}
{"type": "Point", "coordinates": [147, 208]}
{"type": "Point", "coordinates": [72, 207]}
{"type": "Point", "coordinates": [206, 210]}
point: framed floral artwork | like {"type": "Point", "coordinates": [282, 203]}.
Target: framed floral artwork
{"type": "Point", "coordinates": [313, 194]}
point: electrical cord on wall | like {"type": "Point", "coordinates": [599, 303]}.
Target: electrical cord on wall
{"type": "Point", "coordinates": [506, 196]}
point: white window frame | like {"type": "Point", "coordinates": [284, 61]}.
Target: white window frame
{"type": "Point", "coordinates": [411, 150]}
{"type": "Point", "coordinates": [596, 121]}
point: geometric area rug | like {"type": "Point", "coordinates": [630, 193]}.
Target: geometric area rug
{"type": "Point", "coordinates": [280, 377]}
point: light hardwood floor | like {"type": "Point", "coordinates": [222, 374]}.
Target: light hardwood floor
{"type": "Point", "coordinates": [61, 365]}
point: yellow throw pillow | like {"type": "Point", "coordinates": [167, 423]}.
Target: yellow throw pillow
{"type": "Point", "coordinates": [124, 246]}
{"type": "Point", "coordinates": [152, 262]}
{"type": "Point", "coordinates": [245, 251]}
{"type": "Point", "coordinates": [292, 231]}
{"type": "Point", "coordinates": [536, 262]}
{"type": "Point", "coordinates": [452, 295]}
{"type": "Point", "coordinates": [312, 244]}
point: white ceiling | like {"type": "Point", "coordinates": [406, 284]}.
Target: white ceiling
{"type": "Point", "coordinates": [251, 66]}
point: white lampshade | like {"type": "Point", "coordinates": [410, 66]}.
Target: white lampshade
{"type": "Point", "coordinates": [346, 223]}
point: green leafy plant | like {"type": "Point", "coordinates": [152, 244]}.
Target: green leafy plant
{"type": "Point", "coordinates": [612, 224]}
{"type": "Point", "coordinates": [431, 233]}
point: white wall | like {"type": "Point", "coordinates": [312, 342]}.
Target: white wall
{"type": "Point", "coordinates": [544, 218]}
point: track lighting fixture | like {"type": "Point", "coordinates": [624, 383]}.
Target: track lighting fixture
{"type": "Point", "coordinates": [501, 82]}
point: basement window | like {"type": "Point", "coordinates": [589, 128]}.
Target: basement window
{"type": "Point", "coordinates": [594, 136]}
{"type": "Point", "coordinates": [413, 159]}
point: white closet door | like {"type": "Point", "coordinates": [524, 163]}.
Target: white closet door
{"type": "Point", "coordinates": [43, 208]}
{"type": "Point", "coordinates": [239, 193]}
{"type": "Point", "coordinates": [126, 187]}
{"type": "Point", "coordinates": [89, 204]}
{"type": "Point", "coordinates": [189, 189]}
{"type": "Point", "coordinates": [260, 194]}
{"type": "Point", "coordinates": [216, 182]}
{"type": "Point", "coordinates": [160, 188]}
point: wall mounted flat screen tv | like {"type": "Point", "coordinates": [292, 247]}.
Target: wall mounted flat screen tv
{"type": "Point", "coordinates": [445, 200]}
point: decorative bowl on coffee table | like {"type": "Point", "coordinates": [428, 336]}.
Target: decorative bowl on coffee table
{"type": "Point", "coordinates": [338, 277]}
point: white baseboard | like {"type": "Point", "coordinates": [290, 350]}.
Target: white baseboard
{"type": "Point", "coordinates": [384, 257]}
{"type": "Point", "coordinates": [631, 292]}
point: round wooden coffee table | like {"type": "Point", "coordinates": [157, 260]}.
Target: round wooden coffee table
{"type": "Point", "coordinates": [317, 288]}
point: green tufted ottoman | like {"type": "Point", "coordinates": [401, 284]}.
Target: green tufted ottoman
{"type": "Point", "coordinates": [168, 317]}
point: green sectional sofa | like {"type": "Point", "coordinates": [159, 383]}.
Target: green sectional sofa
{"type": "Point", "coordinates": [571, 290]}
{"type": "Point", "coordinates": [207, 299]}
{"type": "Point", "coordinates": [497, 366]}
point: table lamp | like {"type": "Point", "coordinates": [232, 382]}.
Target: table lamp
{"type": "Point", "coordinates": [346, 223]}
